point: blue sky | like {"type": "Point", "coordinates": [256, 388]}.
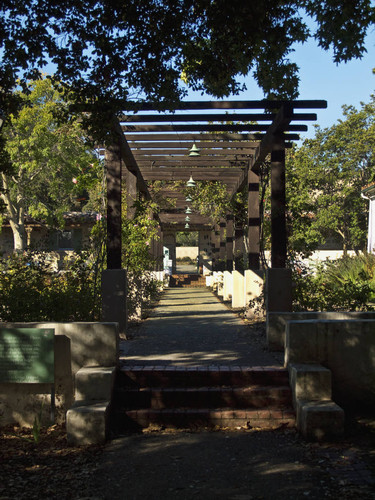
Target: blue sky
{"type": "Point", "coordinates": [321, 78]}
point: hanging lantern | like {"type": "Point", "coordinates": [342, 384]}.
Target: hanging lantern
{"type": "Point", "coordinates": [187, 226]}
{"type": "Point", "coordinates": [194, 151]}
{"type": "Point", "coordinates": [187, 218]}
{"type": "Point", "coordinates": [190, 183]}
{"type": "Point", "coordinates": [188, 210]}
{"type": "Point", "coordinates": [188, 198]}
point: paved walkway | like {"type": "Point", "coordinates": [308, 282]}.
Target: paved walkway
{"type": "Point", "coordinates": [192, 327]}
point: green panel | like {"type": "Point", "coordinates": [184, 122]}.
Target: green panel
{"type": "Point", "coordinates": [27, 355]}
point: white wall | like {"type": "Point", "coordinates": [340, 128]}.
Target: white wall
{"type": "Point", "coordinates": [191, 252]}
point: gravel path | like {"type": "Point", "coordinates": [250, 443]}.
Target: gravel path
{"type": "Point", "coordinates": [190, 326]}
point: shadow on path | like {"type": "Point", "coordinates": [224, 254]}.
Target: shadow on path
{"type": "Point", "coordinates": [191, 326]}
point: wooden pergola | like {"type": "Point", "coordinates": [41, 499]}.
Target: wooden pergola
{"type": "Point", "coordinates": [234, 138]}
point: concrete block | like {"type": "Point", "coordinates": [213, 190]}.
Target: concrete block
{"type": "Point", "coordinates": [254, 282]}
{"type": "Point", "coordinates": [278, 289]}
{"type": "Point", "coordinates": [301, 345]}
{"type": "Point", "coordinates": [94, 383]}
{"type": "Point", "coordinates": [276, 329]}
{"type": "Point", "coordinates": [276, 322]}
{"type": "Point", "coordinates": [238, 296]}
{"type": "Point", "coordinates": [320, 420]}
{"type": "Point", "coordinates": [228, 286]}
{"type": "Point", "coordinates": [114, 290]}
{"type": "Point", "coordinates": [310, 382]}
{"type": "Point", "coordinates": [88, 423]}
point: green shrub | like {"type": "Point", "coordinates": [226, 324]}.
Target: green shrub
{"type": "Point", "coordinates": [347, 284]}
{"type": "Point", "coordinates": [31, 291]}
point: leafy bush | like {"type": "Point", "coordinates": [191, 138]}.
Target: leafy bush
{"type": "Point", "coordinates": [31, 291]}
{"type": "Point", "coordinates": [347, 284]}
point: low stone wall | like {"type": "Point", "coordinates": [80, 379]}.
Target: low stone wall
{"type": "Point", "coordinates": [276, 323]}
{"type": "Point", "coordinates": [77, 345]}
{"type": "Point", "coordinates": [346, 347]}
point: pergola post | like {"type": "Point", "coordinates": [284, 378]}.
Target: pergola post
{"type": "Point", "coordinates": [222, 247]}
{"type": "Point", "coordinates": [253, 220]}
{"type": "Point", "coordinates": [229, 242]}
{"type": "Point", "coordinates": [113, 165]}
{"type": "Point", "coordinates": [114, 281]}
{"type": "Point", "coordinates": [278, 204]}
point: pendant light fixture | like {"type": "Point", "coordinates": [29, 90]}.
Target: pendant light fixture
{"type": "Point", "coordinates": [194, 151]}
{"type": "Point", "coordinates": [190, 183]}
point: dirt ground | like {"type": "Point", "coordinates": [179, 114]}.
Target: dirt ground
{"type": "Point", "coordinates": [160, 464]}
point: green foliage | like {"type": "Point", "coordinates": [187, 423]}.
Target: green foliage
{"type": "Point", "coordinates": [187, 239]}
{"type": "Point", "coordinates": [107, 52]}
{"type": "Point", "coordinates": [347, 284]}
{"type": "Point", "coordinates": [210, 198]}
{"type": "Point", "coordinates": [324, 181]}
{"type": "Point", "coordinates": [138, 235]}
{"type": "Point", "coordinates": [52, 167]}
{"type": "Point", "coordinates": [31, 291]}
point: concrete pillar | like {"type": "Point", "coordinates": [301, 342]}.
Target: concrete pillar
{"type": "Point", "coordinates": [228, 286]}
{"type": "Point", "coordinates": [278, 290]}
{"type": "Point", "coordinates": [254, 281]}
{"type": "Point", "coordinates": [238, 294]}
{"type": "Point", "coordinates": [114, 289]}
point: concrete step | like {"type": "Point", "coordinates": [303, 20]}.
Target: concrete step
{"type": "Point", "coordinates": [205, 397]}
{"type": "Point", "coordinates": [187, 280]}
{"type": "Point", "coordinates": [202, 376]}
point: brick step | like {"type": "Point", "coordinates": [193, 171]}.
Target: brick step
{"type": "Point", "coordinates": [204, 397]}
{"type": "Point", "coordinates": [133, 420]}
{"type": "Point", "coordinates": [187, 280]}
{"type": "Point", "coordinates": [201, 376]}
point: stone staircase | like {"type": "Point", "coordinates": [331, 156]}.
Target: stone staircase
{"type": "Point", "coordinates": [201, 396]}
{"type": "Point", "coordinates": [187, 280]}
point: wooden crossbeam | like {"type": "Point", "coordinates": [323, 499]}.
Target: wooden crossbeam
{"type": "Point", "coordinates": [201, 163]}
{"type": "Point", "coordinates": [186, 145]}
{"type": "Point", "coordinates": [200, 105]}
{"type": "Point", "coordinates": [142, 138]}
{"type": "Point", "coordinates": [184, 173]}
{"type": "Point", "coordinates": [157, 154]}
{"type": "Point", "coordinates": [277, 128]}
{"type": "Point", "coordinates": [207, 128]}
{"type": "Point", "coordinates": [224, 118]}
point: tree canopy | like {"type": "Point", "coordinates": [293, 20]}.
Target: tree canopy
{"type": "Point", "coordinates": [325, 177]}
{"type": "Point", "coordinates": [112, 52]}
{"type": "Point", "coordinates": [51, 166]}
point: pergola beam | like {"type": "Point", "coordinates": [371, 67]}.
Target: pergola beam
{"type": "Point", "coordinates": [206, 127]}
{"type": "Point", "coordinates": [201, 105]}
{"type": "Point", "coordinates": [224, 118]}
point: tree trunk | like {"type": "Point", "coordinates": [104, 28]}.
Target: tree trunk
{"type": "Point", "coordinates": [16, 214]}
{"type": "Point", "coordinates": [19, 236]}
